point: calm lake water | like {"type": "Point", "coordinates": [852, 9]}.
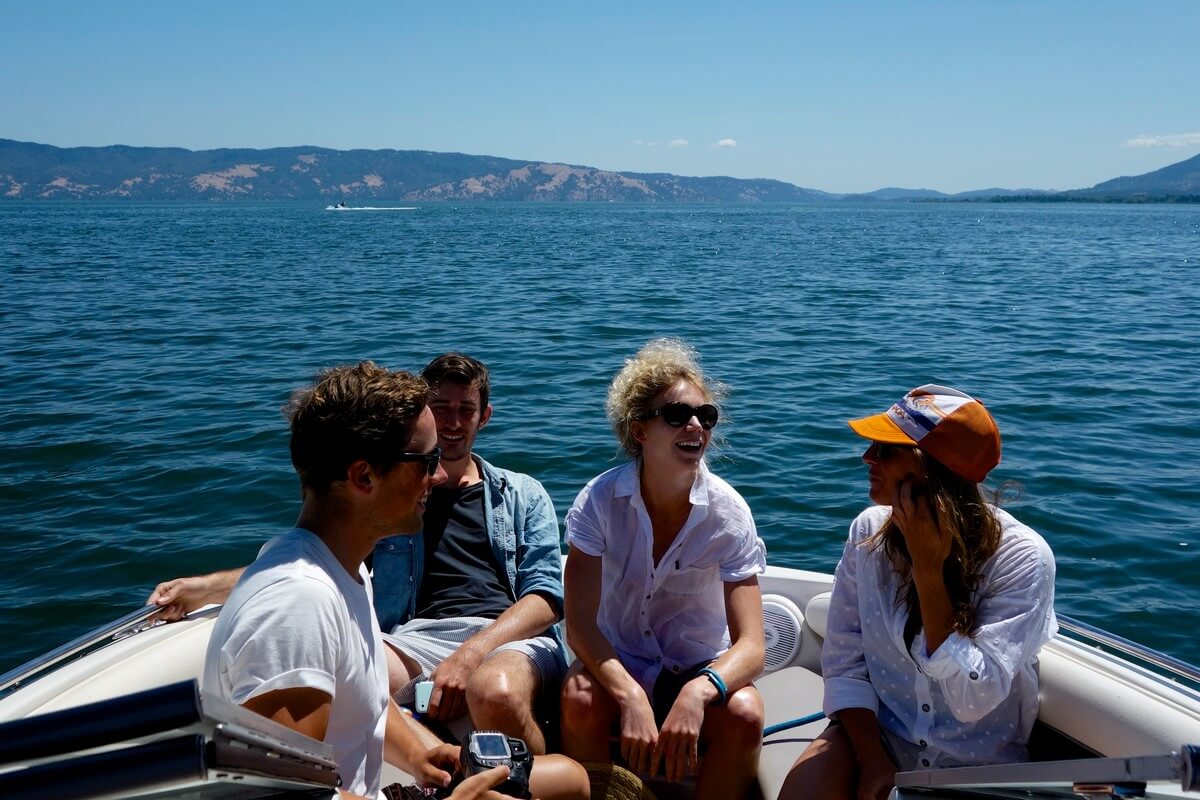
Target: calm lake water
{"type": "Point", "coordinates": [147, 350]}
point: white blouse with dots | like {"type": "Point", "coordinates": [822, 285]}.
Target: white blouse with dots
{"type": "Point", "coordinates": [975, 699]}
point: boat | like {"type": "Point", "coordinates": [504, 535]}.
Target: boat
{"type": "Point", "coordinates": [1116, 719]}
{"type": "Point", "coordinates": [344, 207]}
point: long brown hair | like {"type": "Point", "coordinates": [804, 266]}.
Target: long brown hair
{"type": "Point", "coordinates": [960, 510]}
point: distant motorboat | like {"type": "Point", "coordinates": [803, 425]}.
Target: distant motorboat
{"type": "Point", "coordinates": [344, 207]}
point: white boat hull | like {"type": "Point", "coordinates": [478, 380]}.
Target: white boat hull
{"type": "Point", "coordinates": [1092, 698]}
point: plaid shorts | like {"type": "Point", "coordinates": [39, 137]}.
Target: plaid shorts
{"type": "Point", "coordinates": [429, 642]}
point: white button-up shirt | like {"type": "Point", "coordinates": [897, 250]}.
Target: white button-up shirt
{"type": "Point", "coordinates": [670, 615]}
{"type": "Point", "coordinates": [975, 699]}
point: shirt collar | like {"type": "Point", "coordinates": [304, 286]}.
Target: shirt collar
{"type": "Point", "coordinates": [629, 484]}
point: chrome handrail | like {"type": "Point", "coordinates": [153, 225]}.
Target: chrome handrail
{"type": "Point", "coordinates": [1163, 661]}
{"type": "Point", "coordinates": [1181, 765]}
{"type": "Point", "coordinates": [119, 628]}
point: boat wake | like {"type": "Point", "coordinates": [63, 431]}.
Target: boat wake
{"type": "Point", "coordinates": [370, 208]}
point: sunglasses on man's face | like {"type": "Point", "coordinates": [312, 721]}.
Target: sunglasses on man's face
{"type": "Point", "coordinates": [677, 414]}
{"type": "Point", "coordinates": [431, 459]}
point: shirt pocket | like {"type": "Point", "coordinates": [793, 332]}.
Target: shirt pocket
{"type": "Point", "coordinates": [690, 580]}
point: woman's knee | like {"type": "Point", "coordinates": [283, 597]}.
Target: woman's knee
{"type": "Point", "coordinates": [585, 703]}
{"type": "Point", "coordinates": [740, 720]}
{"type": "Point", "coordinates": [557, 776]}
{"type": "Point", "coordinates": [824, 771]}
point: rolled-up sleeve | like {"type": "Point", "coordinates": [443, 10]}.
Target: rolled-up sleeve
{"type": "Point", "coordinates": [843, 661]}
{"type": "Point", "coordinates": [1015, 618]}
{"type": "Point", "coordinates": [583, 525]}
{"type": "Point", "coordinates": [302, 650]}
{"type": "Point", "coordinates": [748, 557]}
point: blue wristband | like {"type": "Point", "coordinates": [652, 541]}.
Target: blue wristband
{"type": "Point", "coordinates": [715, 680]}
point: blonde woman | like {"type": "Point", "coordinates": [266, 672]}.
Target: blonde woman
{"type": "Point", "coordinates": [663, 606]}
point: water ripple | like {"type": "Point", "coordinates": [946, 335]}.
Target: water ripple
{"type": "Point", "coordinates": [147, 350]}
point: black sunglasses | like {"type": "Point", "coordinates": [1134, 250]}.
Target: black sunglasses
{"type": "Point", "coordinates": [884, 450]}
{"type": "Point", "coordinates": [677, 415]}
{"type": "Point", "coordinates": [431, 459]}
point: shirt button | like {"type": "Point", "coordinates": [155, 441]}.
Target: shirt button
{"type": "Point", "coordinates": [647, 597]}
{"type": "Point", "coordinates": [925, 707]}
{"type": "Point", "coordinates": [646, 633]}
{"type": "Point", "coordinates": [658, 659]}
{"type": "Point", "coordinates": [925, 762]}
{"type": "Point", "coordinates": [974, 676]}
{"type": "Point", "coordinates": [924, 743]}
{"type": "Point", "coordinates": [390, 547]}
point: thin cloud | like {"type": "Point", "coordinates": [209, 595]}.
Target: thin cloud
{"type": "Point", "coordinates": [726, 143]}
{"type": "Point", "coordinates": [1170, 140]}
{"type": "Point", "coordinates": [645, 144]}
{"type": "Point", "coordinates": [679, 143]}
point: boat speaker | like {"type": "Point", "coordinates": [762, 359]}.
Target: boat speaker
{"type": "Point", "coordinates": [782, 625]}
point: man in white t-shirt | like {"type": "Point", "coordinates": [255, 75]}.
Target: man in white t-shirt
{"type": "Point", "coordinates": [298, 641]}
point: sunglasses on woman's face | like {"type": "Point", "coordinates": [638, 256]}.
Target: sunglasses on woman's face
{"type": "Point", "coordinates": [677, 414]}
{"type": "Point", "coordinates": [431, 459]}
{"type": "Point", "coordinates": [884, 451]}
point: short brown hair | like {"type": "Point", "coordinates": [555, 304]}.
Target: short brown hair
{"type": "Point", "coordinates": [350, 413]}
{"type": "Point", "coordinates": [460, 368]}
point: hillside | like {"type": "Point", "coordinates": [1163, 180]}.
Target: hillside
{"type": "Point", "coordinates": [38, 171]}
{"type": "Point", "coordinates": [1175, 180]}
{"type": "Point", "coordinates": [30, 171]}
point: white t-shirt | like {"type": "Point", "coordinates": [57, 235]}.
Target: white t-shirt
{"type": "Point", "coordinates": [669, 616]}
{"type": "Point", "coordinates": [297, 619]}
{"type": "Point", "coordinates": [974, 699]}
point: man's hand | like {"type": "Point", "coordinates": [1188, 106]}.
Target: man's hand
{"type": "Point", "coordinates": [449, 698]}
{"type": "Point", "coordinates": [434, 766]}
{"type": "Point", "coordinates": [678, 742]}
{"type": "Point", "coordinates": [639, 734]}
{"type": "Point", "coordinates": [183, 595]}
{"type": "Point", "coordinates": [478, 786]}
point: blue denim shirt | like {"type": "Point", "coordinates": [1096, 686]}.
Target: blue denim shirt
{"type": "Point", "coordinates": [523, 530]}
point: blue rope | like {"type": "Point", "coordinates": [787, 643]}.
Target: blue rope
{"type": "Point", "coordinates": [793, 723]}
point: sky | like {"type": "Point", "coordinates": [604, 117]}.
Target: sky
{"type": "Point", "coordinates": [842, 97]}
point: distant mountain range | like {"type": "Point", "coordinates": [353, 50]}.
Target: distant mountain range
{"type": "Point", "coordinates": [316, 174]}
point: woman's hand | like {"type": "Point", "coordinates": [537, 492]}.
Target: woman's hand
{"type": "Point", "coordinates": [639, 734]}
{"type": "Point", "coordinates": [915, 515]}
{"type": "Point", "coordinates": [678, 742]}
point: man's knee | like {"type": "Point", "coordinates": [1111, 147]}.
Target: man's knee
{"type": "Point", "coordinates": [505, 683]}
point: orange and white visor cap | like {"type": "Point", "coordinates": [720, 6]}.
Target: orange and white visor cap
{"type": "Point", "coordinates": [947, 424]}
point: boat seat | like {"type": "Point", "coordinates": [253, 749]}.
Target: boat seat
{"type": "Point", "coordinates": [816, 613]}
{"type": "Point", "coordinates": [787, 694]}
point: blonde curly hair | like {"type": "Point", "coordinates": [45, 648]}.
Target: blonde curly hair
{"type": "Point", "coordinates": [658, 366]}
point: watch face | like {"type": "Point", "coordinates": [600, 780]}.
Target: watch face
{"type": "Point", "coordinates": [492, 745]}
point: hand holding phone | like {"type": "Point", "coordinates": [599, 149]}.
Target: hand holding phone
{"type": "Point", "coordinates": [424, 690]}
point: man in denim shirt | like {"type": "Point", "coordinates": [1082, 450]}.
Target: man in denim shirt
{"type": "Point", "coordinates": [471, 603]}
